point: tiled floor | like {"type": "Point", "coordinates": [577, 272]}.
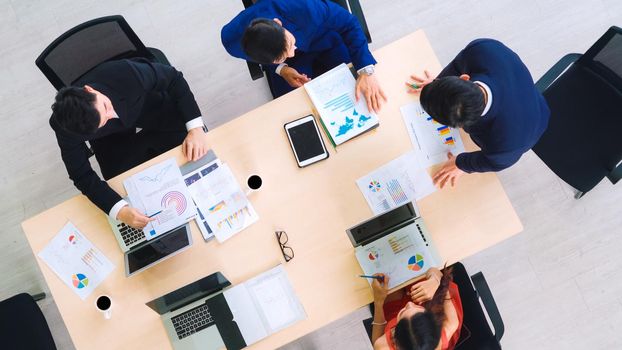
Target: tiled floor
{"type": "Point", "coordinates": [557, 283]}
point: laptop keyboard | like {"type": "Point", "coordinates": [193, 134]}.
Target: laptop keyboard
{"type": "Point", "coordinates": [129, 234]}
{"type": "Point", "coordinates": [192, 321]}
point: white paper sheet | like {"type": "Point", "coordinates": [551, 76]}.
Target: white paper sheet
{"type": "Point", "coordinates": [332, 94]}
{"type": "Point", "coordinates": [206, 231]}
{"type": "Point", "coordinates": [400, 181]}
{"type": "Point", "coordinates": [435, 140]}
{"type": "Point", "coordinates": [223, 204]}
{"type": "Point", "coordinates": [402, 255]}
{"type": "Point", "coordinates": [161, 188]}
{"type": "Point", "coordinates": [76, 261]}
{"type": "Point", "coordinates": [245, 314]}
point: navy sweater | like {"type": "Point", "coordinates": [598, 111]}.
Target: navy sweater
{"type": "Point", "coordinates": [518, 115]}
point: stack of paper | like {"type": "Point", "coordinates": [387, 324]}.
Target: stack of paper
{"type": "Point", "coordinates": [76, 261]}
{"type": "Point", "coordinates": [224, 206]}
{"type": "Point", "coordinates": [341, 115]}
{"type": "Point", "coordinates": [160, 191]}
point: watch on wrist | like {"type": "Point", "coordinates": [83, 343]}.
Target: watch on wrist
{"type": "Point", "coordinates": [369, 70]}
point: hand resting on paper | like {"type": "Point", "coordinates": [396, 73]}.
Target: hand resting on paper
{"type": "Point", "coordinates": [448, 173]}
{"type": "Point", "coordinates": [195, 144]}
{"type": "Point", "coordinates": [424, 290]}
{"type": "Point", "coordinates": [368, 87]}
{"type": "Point", "coordinates": [133, 217]}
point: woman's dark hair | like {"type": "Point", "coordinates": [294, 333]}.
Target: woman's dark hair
{"type": "Point", "coordinates": [453, 101]}
{"type": "Point", "coordinates": [423, 330]}
{"type": "Point", "coordinates": [74, 110]}
{"type": "Point", "coordinates": [264, 41]}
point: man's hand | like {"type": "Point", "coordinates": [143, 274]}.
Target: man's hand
{"type": "Point", "coordinates": [448, 173]}
{"type": "Point", "coordinates": [371, 90]}
{"type": "Point", "coordinates": [133, 217]}
{"type": "Point", "coordinates": [380, 289]}
{"type": "Point", "coordinates": [293, 78]}
{"type": "Point", "coordinates": [195, 144]}
{"type": "Point", "coordinates": [418, 82]}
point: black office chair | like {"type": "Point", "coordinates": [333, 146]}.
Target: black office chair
{"type": "Point", "coordinates": [22, 324]}
{"type": "Point", "coordinates": [584, 93]}
{"type": "Point", "coordinates": [475, 333]}
{"type": "Point", "coordinates": [89, 44]}
{"type": "Point", "coordinates": [257, 71]}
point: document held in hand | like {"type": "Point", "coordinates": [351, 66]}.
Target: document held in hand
{"type": "Point", "coordinates": [342, 117]}
{"type": "Point", "coordinates": [160, 192]}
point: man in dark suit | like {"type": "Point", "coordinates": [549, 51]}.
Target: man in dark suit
{"type": "Point", "coordinates": [129, 111]}
{"type": "Point", "coordinates": [297, 40]}
{"type": "Point", "coordinates": [488, 91]}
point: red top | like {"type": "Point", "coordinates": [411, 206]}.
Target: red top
{"type": "Point", "coordinates": [392, 308]}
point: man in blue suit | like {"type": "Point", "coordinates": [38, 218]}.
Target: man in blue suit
{"type": "Point", "coordinates": [298, 40]}
{"type": "Point", "coordinates": [487, 91]}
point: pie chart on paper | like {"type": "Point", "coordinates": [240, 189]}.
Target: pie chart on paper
{"type": "Point", "coordinates": [415, 262]}
{"type": "Point", "coordinates": [79, 280]}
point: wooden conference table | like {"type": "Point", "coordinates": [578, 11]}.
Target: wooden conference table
{"type": "Point", "coordinates": [315, 205]}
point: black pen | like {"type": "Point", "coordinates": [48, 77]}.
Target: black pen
{"type": "Point", "coordinates": [379, 278]}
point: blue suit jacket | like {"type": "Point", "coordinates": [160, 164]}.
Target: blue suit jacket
{"type": "Point", "coordinates": [518, 116]}
{"type": "Point", "coordinates": [316, 25]}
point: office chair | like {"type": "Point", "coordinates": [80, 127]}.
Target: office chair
{"type": "Point", "coordinates": [257, 71]}
{"type": "Point", "coordinates": [22, 324]}
{"type": "Point", "coordinates": [475, 333]}
{"type": "Point", "coordinates": [89, 44]}
{"type": "Point", "coordinates": [584, 93]}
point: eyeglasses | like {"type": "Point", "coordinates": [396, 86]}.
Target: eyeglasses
{"type": "Point", "coordinates": [288, 252]}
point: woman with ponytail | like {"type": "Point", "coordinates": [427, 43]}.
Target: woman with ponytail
{"type": "Point", "coordinates": [426, 315]}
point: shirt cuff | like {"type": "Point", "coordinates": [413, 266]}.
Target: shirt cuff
{"type": "Point", "coordinates": [195, 123]}
{"type": "Point", "coordinates": [117, 208]}
{"type": "Point", "coordinates": [360, 70]}
{"type": "Point", "coordinates": [279, 67]}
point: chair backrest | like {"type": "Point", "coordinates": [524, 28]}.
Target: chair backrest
{"type": "Point", "coordinates": [605, 57]}
{"type": "Point", "coordinates": [85, 46]}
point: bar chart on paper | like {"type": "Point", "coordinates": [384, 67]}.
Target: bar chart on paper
{"type": "Point", "coordinates": [434, 139]}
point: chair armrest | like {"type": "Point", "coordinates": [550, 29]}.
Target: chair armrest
{"type": "Point", "coordinates": [553, 73]}
{"type": "Point", "coordinates": [481, 286]}
{"type": "Point", "coordinates": [38, 296]}
{"type": "Point", "coordinates": [159, 56]}
{"type": "Point", "coordinates": [616, 174]}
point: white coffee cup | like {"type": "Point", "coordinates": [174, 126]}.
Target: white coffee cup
{"type": "Point", "coordinates": [103, 304]}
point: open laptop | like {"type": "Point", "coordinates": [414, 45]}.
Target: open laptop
{"type": "Point", "coordinates": [129, 237]}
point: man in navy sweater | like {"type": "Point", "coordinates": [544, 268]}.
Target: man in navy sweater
{"type": "Point", "coordinates": [487, 91]}
{"type": "Point", "coordinates": [297, 40]}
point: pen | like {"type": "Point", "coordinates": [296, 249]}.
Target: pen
{"type": "Point", "coordinates": [414, 86]}
{"type": "Point", "coordinates": [154, 214]}
{"type": "Point", "coordinates": [379, 278]}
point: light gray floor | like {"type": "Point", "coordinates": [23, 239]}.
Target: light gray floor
{"type": "Point", "coordinates": [557, 284]}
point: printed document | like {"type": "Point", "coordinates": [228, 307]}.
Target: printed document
{"type": "Point", "coordinates": [160, 191]}
{"type": "Point", "coordinates": [76, 261]}
{"type": "Point", "coordinates": [435, 140]}
{"type": "Point", "coordinates": [400, 181]}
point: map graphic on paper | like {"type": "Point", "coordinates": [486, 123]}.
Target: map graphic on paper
{"type": "Point", "coordinates": [435, 140]}
{"type": "Point", "coordinates": [402, 255]}
{"type": "Point", "coordinates": [400, 181]}
{"type": "Point", "coordinates": [160, 191]}
{"type": "Point", "coordinates": [74, 259]}
{"type": "Point", "coordinates": [332, 94]}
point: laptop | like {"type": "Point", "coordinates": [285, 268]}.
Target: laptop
{"type": "Point", "coordinates": [396, 242]}
{"type": "Point", "coordinates": [128, 236]}
{"type": "Point", "coordinates": [210, 314]}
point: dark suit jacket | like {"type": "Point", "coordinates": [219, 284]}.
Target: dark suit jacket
{"type": "Point", "coordinates": [316, 24]}
{"type": "Point", "coordinates": [142, 94]}
{"type": "Point", "coordinates": [519, 113]}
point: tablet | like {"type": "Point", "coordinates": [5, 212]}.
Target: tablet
{"type": "Point", "coordinates": [306, 141]}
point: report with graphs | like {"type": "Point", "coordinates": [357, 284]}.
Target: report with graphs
{"type": "Point", "coordinates": [342, 117]}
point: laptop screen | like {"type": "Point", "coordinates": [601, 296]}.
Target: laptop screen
{"type": "Point", "coordinates": [368, 229]}
{"type": "Point", "coordinates": [185, 295]}
{"type": "Point", "coordinates": [157, 249]}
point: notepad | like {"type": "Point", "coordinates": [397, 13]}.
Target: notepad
{"type": "Point", "coordinates": [341, 116]}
